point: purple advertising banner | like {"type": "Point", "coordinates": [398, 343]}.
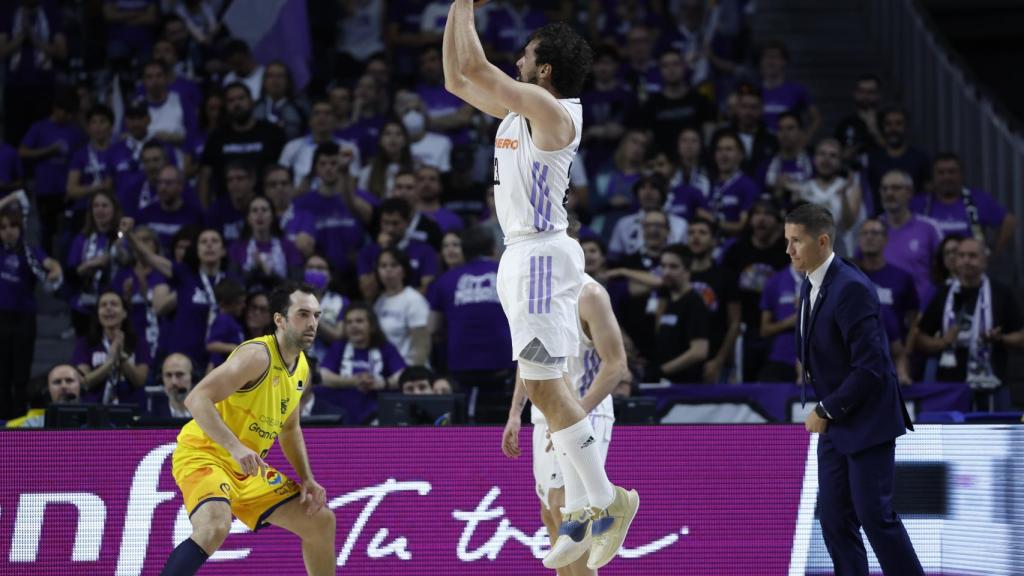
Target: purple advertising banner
{"type": "Point", "coordinates": [713, 500]}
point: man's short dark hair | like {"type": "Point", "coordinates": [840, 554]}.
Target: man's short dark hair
{"type": "Point", "coordinates": [100, 110]}
{"type": "Point", "coordinates": [682, 252]}
{"type": "Point", "coordinates": [890, 109]}
{"type": "Point", "coordinates": [568, 54]}
{"type": "Point", "coordinates": [774, 44]}
{"type": "Point", "coordinates": [281, 297]}
{"type": "Point", "coordinates": [397, 206]}
{"type": "Point", "coordinates": [596, 242]}
{"type": "Point", "coordinates": [270, 169]}
{"type": "Point", "coordinates": [606, 50]}
{"type": "Point", "coordinates": [869, 77]}
{"type": "Point", "coordinates": [816, 220]}
{"type": "Point", "coordinates": [477, 242]}
{"type": "Point", "coordinates": [655, 181]}
{"type": "Point", "coordinates": [748, 89]}
{"type": "Point", "coordinates": [415, 373]}
{"type": "Point", "coordinates": [697, 219]}
{"type": "Point", "coordinates": [157, 63]}
{"type": "Point", "coordinates": [228, 291]}
{"type": "Point", "coordinates": [796, 118]}
{"type": "Point", "coordinates": [326, 149]}
{"type": "Point", "coordinates": [947, 156]}
{"type": "Point", "coordinates": [236, 46]}
{"type": "Point", "coordinates": [237, 85]}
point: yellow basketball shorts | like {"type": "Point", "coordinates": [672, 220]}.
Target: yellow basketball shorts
{"type": "Point", "coordinates": [203, 477]}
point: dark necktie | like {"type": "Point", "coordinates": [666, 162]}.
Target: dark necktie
{"type": "Point", "coordinates": [805, 323]}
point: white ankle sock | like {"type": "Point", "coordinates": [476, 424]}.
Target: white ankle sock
{"type": "Point", "coordinates": [579, 445]}
{"type": "Point", "coordinates": [575, 491]}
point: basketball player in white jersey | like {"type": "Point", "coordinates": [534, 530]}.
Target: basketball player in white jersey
{"type": "Point", "coordinates": [598, 366]}
{"type": "Point", "coordinates": [541, 270]}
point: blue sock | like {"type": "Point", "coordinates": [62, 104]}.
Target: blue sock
{"type": "Point", "coordinates": [185, 560]}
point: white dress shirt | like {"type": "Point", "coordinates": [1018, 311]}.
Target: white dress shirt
{"type": "Point", "coordinates": [817, 276]}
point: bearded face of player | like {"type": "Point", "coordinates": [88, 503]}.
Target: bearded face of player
{"type": "Point", "coordinates": [303, 317]}
{"type": "Point", "coordinates": [527, 64]}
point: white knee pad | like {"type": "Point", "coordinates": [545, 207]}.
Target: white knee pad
{"type": "Point", "coordinates": [530, 370]}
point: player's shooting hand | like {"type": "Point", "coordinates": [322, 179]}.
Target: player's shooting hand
{"type": "Point", "coordinates": [249, 461]}
{"type": "Point", "coordinates": [510, 438]}
{"type": "Point", "coordinates": [312, 497]}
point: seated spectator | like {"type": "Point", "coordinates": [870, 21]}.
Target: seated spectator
{"type": "Point", "coordinates": [754, 258]}
{"type": "Point", "coordinates": [296, 226]}
{"type": "Point", "coordinates": [595, 263]}
{"type": "Point", "coordinates": [393, 154]}
{"type": "Point", "coordinates": [63, 386]}
{"type": "Point", "coordinates": [90, 257]}
{"type": "Point", "coordinates": [960, 210]}
{"type": "Point", "coordinates": [913, 240]}
{"type": "Point", "coordinates": [675, 106]}
{"type": "Point", "coordinates": [780, 303]}
{"type": "Point", "coordinates": [177, 80]}
{"type": "Point", "coordinates": [681, 323]}
{"type": "Point", "coordinates": [421, 227]}
{"type": "Point", "coordinates": [859, 132]}
{"type": "Point", "coordinates": [278, 105]}
{"type": "Point", "coordinates": [897, 295]}
{"type": "Point", "coordinates": [111, 357]}
{"type": "Point", "coordinates": [171, 211]}
{"type": "Point", "coordinates": [446, 113]}
{"type": "Point", "coordinates": [971, 324]}
{"type": "Point", "coordinates": [607, 104]}
{"type": "Point", "coordinates": [258, 321]}
{"type": "Point", "coordinates": [790, 170]}
{"type": "Point", "coordinates": [612, 195]}
{"type": "Point", "coordinates": [130, 27]}
{"type": "Point", "coordinates": [394, 225]}
{"type": "Point", "coordinates": [48, 146]}
{"type": "Point", "coordinates": [363, 359]}
{"type": "Point", "coordinates": [146, 292]}
{"type": "Point", "coordinates": [176, 377]}
{"type": "Point", "coordinates": [732, 192]}
{"type": "Point", "coordinates": [759, 145]}
{"type": "Point", "coordinates": [228, 213]}
{"type": "Point", "coordinates": [467, 316]}
{"type": "Point", "coordinates": [428, 182]}
{"type": "Point", "coordinates": [263, 256]}
{"type": "Point", "coordinates": [451, 252]}
{"type": "Point", "coordinates": [417, 381]}
{"type": "Point", "coordinates": [944, 264]}
{"type": "Point", "coordinates": [22, 265]}
{"type": "Point", "coordinates": [92, 168]}
{"type": "Point", "coordinates": [896, 154]}
{"type": "Point", "coordinates": [318, 274]}
{"type": "Point", "coordinates": [211, 116]}
{"type": "Point", "coordinates": [428, 148]}
{"type": "Point", "coordinates": [691, 172]}
{"type": "Point", "coordinates": [171, 119]}
{"type": "Point", "coordinates": [135, 193]}
{"type": "Point", "coordinates": [640, 69]}
{"type": "Point", "coordinates": [298, 153]}
{"type": "Point", "coordinates": [628, 236]}
{"type": "Point", "coordinates": [226, 333]}
{"type": "Point", "coordinates": [717, 286]}
{"type": "Point", "coordinates": [242, 68]}
{"type": "Point", "coordinates": [126, 155]}
{"type": "Point", "coordinates": [836, 189]}
{"type": "Point", "coordinates": [194, 279]}
{"type": "Point", "coordinates": [402, 311]}
{"type": "Point", "coordinates": [782, 95]}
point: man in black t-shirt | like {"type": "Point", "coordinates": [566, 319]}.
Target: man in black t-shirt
{"type": "Point", "coordinates": [753, 259]}
{"type": "Point", "coordinates": [681, 324]}
{"type": "Point", "coordinates": [244, 140]}
{"type": "Point", "coordinates": [676, 107]}
{"type": "Point", "coordinates": [971, 322]}
{"type": "Point", "coordinates": [716, 285]}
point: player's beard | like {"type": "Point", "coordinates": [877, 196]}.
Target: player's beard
{"type": "Point", "coordinates": [296, 339]}
{"type": "Point", "coordinates": [527, 78]}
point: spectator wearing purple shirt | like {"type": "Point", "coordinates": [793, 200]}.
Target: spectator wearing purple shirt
{"type": "Point", "coordinates": [640, 69]}
{"type": "Point", "coordinates": [394, 223]}
{"type": "Point", "coordinates": [317, 274]}
{"type": "Point", "coordinates": [298, 226]}
{"type": "Point", "coordinates": [126, 156]}
{"type": "Point", "coordinates": [138, 191]}
{"type": "Point", "coordinates": [366, 119]}
{"type": "Point", "coordinates": [446, 113]}
{"type": "Point", "coordinates": [298, 153]}
{"type": "Point", "coordinates": [467, 316]}
{"type": "Point", "coordinates": [48, 145]}
{"type": "Point", "coordinates": [228, 212]}
{"type": "Point", "coordinates": [226, 332]}
{"type": "Point", "coordinates": [146, 292]}
{"type": "Point", "coordinates": [32, 44]}
{"type": "Point", "coordinates": [612, 194]}
{"type": "Point", "coordinates": [732, 192]}
{"type": "Point", "coordinates": [782, 95]}
{"type": "Point", "coordinates": [962, 211]}
{"type": "Point", "coordinates": [92, 168]}
{"type": "Point", "coordinates": [779, 306]}
{"type": "Point", "coordinates": [130, 27]}
{"type": "Point", "coordinates": [194, 280]}
{"type": "Point", "coordinates": [790, 170]}
{"type": "Point", "coordinates": [114, 362]}
{"type": "Point", "coordinates": [393, 155]}
{"type": "Point", "coordinates": [913, 240]}
{"type": "Point", "coordinates": [451, 251]}
{"type": "Point", "coordinates": [170, 212]}
{"type": "Point", "coordinates": [21, 266]}
{"type": "Point", "coordinates": [91, 257]}
{"type": "Point", "coordinates": [428, 183]}
{"type": "Point", "coordinates": [262, 255]}
{"type": "Point", "coordinates": [689, 165]}
{"type": "Point", "coordinates": [607, 104]}
{"type": "Point", "coordinates": [897, 295]}
{"type": "Point", "coordinates": [340, 215]}
{"type": "Point", "coordinates": [897, 154]}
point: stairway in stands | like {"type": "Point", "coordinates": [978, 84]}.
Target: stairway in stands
{"type": "Point", "coordinates": [829, 48]}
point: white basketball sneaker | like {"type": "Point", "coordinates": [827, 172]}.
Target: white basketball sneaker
{"type": "Point", "coordinates": [573, 540]}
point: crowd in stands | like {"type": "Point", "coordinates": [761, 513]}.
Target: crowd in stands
{"type": "Point", "coordinates": [176, 180]}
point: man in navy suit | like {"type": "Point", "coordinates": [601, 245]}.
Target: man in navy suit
{"type": "Point", "coordinates": [845, 357]}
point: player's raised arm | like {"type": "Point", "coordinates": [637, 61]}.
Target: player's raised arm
{"type": "Point", "coordinates": [455, 82]}
{"type": "Point", "coordinates": [596, 311]}
{"type": "Point", "coordinates": [246, 366]}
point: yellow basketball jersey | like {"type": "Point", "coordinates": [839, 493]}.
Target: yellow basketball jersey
{"type": "Point", "coordinates": [255, 414]}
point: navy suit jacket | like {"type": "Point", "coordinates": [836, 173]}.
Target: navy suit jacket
{"type": "Point", "coordinates": [845, 356]}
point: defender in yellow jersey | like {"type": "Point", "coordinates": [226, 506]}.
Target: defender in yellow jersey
{"type": "Point", "coordinates": [238, 411]}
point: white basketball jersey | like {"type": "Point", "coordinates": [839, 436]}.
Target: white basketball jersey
{"type": "Point", "coordinates": [583, 368]}
{"type": "Point", "coordinates": [530, 184]}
